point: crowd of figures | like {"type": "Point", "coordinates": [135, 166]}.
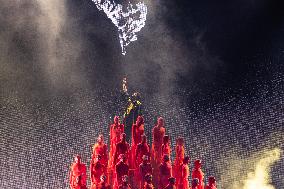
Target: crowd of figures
{"type": "Point", "coordinates": [138, 165]}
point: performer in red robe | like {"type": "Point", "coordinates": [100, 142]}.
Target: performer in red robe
{"type": "Point", "coordinates": [141, 150]}
{"type": "Point", "coordinates": [158, 135]}
{"type": "Point", "coordinates": [97, 170]}
{"type": "Point", "coordinates": [145, 168]}
{"type": "Point", "coordinates": [197, 173]}
{"type": "Point", "coordinates": [116, 129]}
{"type": "Point", "coordinates": [137, 132]}
{"type": "Point", "coordinates": [179, 158]}
{"type": "Point", "coordinates": [194, 183]}
{"type": "Point", "coordinates": [78, 177]}
{"type": "Point", "coordinates": [103, 183]}
{"type": "Point", "coordinates": [124, 184]}
{"type": "Point", "coordinates": [148, 182]}
{"type": "Point", "coordinates": [211, 183]}
{"type": "Point", "coordinates": [79, 183]}
{"type": "Point", "coordinates": [172, 182]}
{"type": "Point", "coordinates": [121, 148]}
{"type": "Point", "coordinates": [165, 172]}
{"type": "Point", "coordinates": [100, 148]}
{"type": "Point", "coordinates": [166, 149]}
{"type": "Point", "coordinates": [183, 180]}
{"type": "Point", "coordinates": [121, 169]}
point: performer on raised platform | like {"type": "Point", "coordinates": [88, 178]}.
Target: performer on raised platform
{"type": "Point", "coordinates": [103, 183]}
{"type": "Point", "coordinates": [78, 177]}
{"type": "Point", "coordinates": [165, 172]}
{"type": "Point", "coordinates": [121, 169]}
{"type": "Point", "coordinates": [100, 148]}
{"type": "Point", "coordinates": [183, 179]}
{"type": "Point", "coordinates": [116, 129]}
{"type": "Point", "coordinates": [148, 182]}
{"type": "Point", "coordinates": [124, 184]}
{"type": "Point", "coordinates": [172, 182]}
{"type": "Point", "coordinates": [197, 173]}
{"type": "Point", "coordinates": [145, 168]}
{"type": "Point", "coordinates": [194, 183]}
{"type": "Point", "coordinates": [143, 149]}
{"type": "Point", "coordinates": [97, 170]}
{"type": "Point", "coordinates": [211, 183]}
{"type": "Point", "coordinates": [137, 132]}
{"type": "Point", "coordinates": [121, 148]}
{"type": "Point", "coordinates": [166, 148]}
{"type": "Point", "coordinates": [179, 158]}
{"type": "Point", "coordinates": [158, 135]}
{"type": "Point", "coordinates": [132, 111]}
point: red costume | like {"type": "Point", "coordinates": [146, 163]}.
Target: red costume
{"type": "Point", "coordinates": [103, 183]}
{"type": "Point", "coordinates": [194, 183]}
{"type": "Point", "coordinates": [121, 169]}
{"type": "Point", "coordinates": [100, 148]}
{"type": "Point", "coordinates": [97, 170]}
{"type": "Point", "coordinates": [141, 150]}
{"type": "Point", "coordinates": [166, 149]}
{"type": "Point", "coordinates": [78, 177]}
{"type": "Point", "coordinates": [179, 158]}
{"type": "Point", "coordinates": [145, 168]}
{"type": "Point", "coordinates": [148, 182]}
{"type": "Point", "coordinates": [116, 129]}
{"type": "Point", "coordinates": [158, 135]}
{"type": "Point", "coordinates": [183, 180]}
{"type": "Point", "coordinates": [197, 173]}
{"type": "Point", "coordinates": [171, 184]}
{"type": "Point", "coordinates": [211, 183]}
{"type": "Point", "coordinates": [124, 184]}
{"type": "Point", "coordinates": [165, 172]}
{"type": "Point", "coordinates": [121, 148]}
{"type": "Point", "coordinates": [137, 132]}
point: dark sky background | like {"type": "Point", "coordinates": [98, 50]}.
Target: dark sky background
{"type": "Point", "coordinates": [212, 68]}
{"type": "Point", "coordinates": [212, 45]}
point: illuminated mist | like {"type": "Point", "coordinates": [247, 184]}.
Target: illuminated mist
{"type": "Point", "coordinates": [260, 177]}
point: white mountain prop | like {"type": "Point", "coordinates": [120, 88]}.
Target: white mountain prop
{"type": "Point", "coordinates": [129, 20]}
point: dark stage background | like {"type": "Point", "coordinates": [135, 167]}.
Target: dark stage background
{"type": "Point", "coordinates": [213, 70]}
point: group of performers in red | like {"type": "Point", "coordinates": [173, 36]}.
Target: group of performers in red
{"type": "Point", "coordinates": [138, 165]}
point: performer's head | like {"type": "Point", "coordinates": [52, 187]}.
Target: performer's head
{"type": "Point", "coordinates": [77, 159]}
{"type": "Point", "coordinates": [166, 139]}
{"type": "Point", "coordinates": [143, 139]}
{"type": "Point", "coordinates": [161, 122]}
{"type": "Point", "coordinates": [103, 178]}
{"type": "Point", "coordinates": [186, 160]}
{"type": "Point", "coordinates": [98, 157]}
{"type": "Point", "coordinates": [172, 180]}
{"type": "Point", "coordinates": [100, 139]}
{"type": "Point", "coordinates": [140, 120]}
{"type": "Point", "coordinates": [197, 164]}
{"type": "Point", "coordinates": [145, 158]}
{"type": "Point", "coordinates": [123, 137]}
{"type": "Point", "coordinates": [125, 179]}
{"type": "Point", "coordinates": [166, 158]}
{"type": "Point", "coordinates": [148, 178]}
{"type": "Point", "coordinates": [212, 180]}
{"type": "Point", "coordinates": [180, 141]}
{"type": "Point", "coordinates": [195, 182]}
{"type": "Point", "coordinates": [116, 119]}
{"type": "Point", "coordinates": [78, 180]}
{"type": "Point", "coordinates": [122, 158]}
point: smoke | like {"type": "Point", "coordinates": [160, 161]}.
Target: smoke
{"type": "Point", "coordinates": [260, 177]}
{"type": "Point", "coordinates": [251, 172]}
{"type": "Point", "coordinates": [40, 49]}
